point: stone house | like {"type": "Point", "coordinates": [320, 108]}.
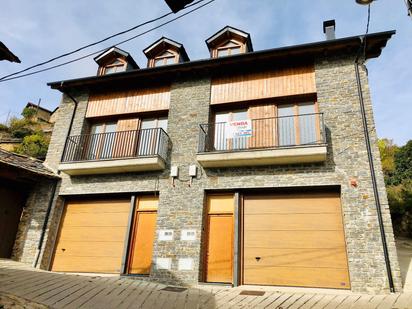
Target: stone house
{"type": "Point", "coordinates": [249, 167]}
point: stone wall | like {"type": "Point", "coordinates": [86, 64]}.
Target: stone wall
{"type": "Point", "coordinates": [182, 207]}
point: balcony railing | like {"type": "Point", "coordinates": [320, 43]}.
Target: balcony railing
{"type": "Point", "coordinates": [275, 132]}
{"type": "Point", "coordinates": [116, 145]}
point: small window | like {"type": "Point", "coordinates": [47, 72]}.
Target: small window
{"type": "Point", "coordinates": [230, 48]}
{"type": "Point", "coordinates": [165, 59]}
{"type": "Point", "coordinates": [116, 66]}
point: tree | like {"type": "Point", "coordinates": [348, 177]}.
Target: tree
{"type": "Point", "coordinates": [34, 145]}
{"type": "Point", "coordinates": [403, 163]}
{"type": "Point", "coordinates": [387, 152]}
{"type": "Point", "coordinates": [28, 112]}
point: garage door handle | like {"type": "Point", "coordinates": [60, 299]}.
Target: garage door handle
{"type": "Point", "coordinates": [63, 249]}
{"type": "Point", "coordinates": [257, 258]}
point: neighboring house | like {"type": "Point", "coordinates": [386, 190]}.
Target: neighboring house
{"type": "Point", "coordinates": [42, 114]}
{"type": "Point", "coordinates": [25, 188]}
{"type": "Point", "coordinates": [6, 54]}
{"type": "Point", "coordinates": [245, 168]}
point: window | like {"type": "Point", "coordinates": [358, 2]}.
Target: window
{"type": "Point", "coordinates": [102, 140]}
{"type": "Point", "coordinates": [165, 59]}
{"type": "Point", "coordinates": [116, 66]}
{"type": "Point", "coordinates": [297, 124]}
{"type": "Point", "coordinates": [221, 135]}
{"type": "Point", "coordinates": [149, 139]}
{"type": "Point", "coordinates": [230, 48]}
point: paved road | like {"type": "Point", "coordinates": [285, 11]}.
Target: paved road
{"type": "Point", "coordinates": [36, 288]}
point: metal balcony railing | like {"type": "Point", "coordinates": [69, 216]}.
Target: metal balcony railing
{"type": "Point", "coordinates": [275, 132]}
{"type": "Point", "coordinates": [116, 145]}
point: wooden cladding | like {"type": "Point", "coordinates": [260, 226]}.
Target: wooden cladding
{"type": "Point", "coordinates": [261, 85]}
{"type": "Point", "coordinates": [125, 102]}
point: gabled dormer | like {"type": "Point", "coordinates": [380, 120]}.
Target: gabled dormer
{"type": "Point", "coordinates": [229, 41]}
{"type": "Point", "coordinates": [164, 52]}
{"type": "Point", "coordinates": [114, 60]}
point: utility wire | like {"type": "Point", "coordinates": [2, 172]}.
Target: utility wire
{"type": "Point", "coordinates": [95, 43]}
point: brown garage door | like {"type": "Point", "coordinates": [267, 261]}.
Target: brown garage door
{"type": "Point", "coordinates": [91, 237]}
{"type": "Point", "coordinates": [295, 240]}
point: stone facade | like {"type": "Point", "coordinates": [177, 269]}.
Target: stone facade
{"type": "Point", "coordinates": [182, 206]}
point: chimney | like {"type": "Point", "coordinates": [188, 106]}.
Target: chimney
{"type": "Point", "coordinates": [329, 29]}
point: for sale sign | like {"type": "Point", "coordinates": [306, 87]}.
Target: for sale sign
{"type": "Point", "coordinates": [239, 128]}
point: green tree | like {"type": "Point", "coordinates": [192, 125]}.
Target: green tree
{"type": "Point", "coordinates": [28, 112]}
{"type": "Point", "coordinates": [20, 127]}
{"type": "Point", "coordinates": [403, 164]}
{"type": "Point", "coordinates": [387, 153]}
{"type": "Point", "coordinates": [34, 145]}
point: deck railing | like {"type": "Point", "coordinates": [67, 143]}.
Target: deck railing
{"type": "Point", "coordinates": [275, 132]}
{"type": "Point", "coordinates": [116, 145]}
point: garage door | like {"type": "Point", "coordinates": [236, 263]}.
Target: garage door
{"type": "Point", "coordinates": [91, 237]}
{"type": "Point", "coordinates": [295, 240]}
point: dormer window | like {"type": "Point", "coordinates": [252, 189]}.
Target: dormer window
{"type": "Point", "coordinates": [230, 48]}
{"type": "Point", "coordinates": [165, 52]}
{"type": "Point", "coordinates": [164, 59]}
{"type": "Point", "coordinates": [114, 60]}
{"type": "Point", "coordinates": [228, 42]}
{"type": "Point", "coordinates": [116, 66]}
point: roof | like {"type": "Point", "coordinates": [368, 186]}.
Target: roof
{"type": "Point", "coordinates": [161, 44]}
{"type": "Point", "coordinates": [30, 104]}
{"type": "Point", "coordinates": [113, 52]}
{"type": "Point", "coordinates": [6, 54]}
{"type": "Point", "coordinates": [227, 32]}
{"type": "Point", "coordinates": [375, 42]}
{"type": "Point", "coordinates": [26, 163]}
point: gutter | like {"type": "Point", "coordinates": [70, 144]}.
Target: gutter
{"type": "Point", "coordinates": [373, 176]}
{"type": "Point", "coordinates": [298, 51]}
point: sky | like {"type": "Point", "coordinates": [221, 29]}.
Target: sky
{"type": "Point", "coordinates": [39, 30]}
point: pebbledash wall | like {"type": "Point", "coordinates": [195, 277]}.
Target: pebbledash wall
{"type": "Point", "coordinates": [182, 207]}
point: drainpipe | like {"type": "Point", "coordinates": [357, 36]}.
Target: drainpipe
{"type": "Point", "coordinates": [373, 176]}
{"type": "Point", "coordinates": [71, 120]}
{"type": "Point", "coordinates": [45, 223]}
{"type": "Point", "coordinates": [49, 207]}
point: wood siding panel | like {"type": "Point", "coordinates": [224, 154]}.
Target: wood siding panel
{"type": "Point", "coordinates": [125, 102]}
{"type": "Point", "coordinates": [126, 142]}
{"type": "Point", "coordinates": [92, 236]}
{"type": "Point", "coordinates": [295, 240]}
{"type": "Point", "coordinates": [253, 86]}
{"type": "Point", "coordinates": [264, 129]}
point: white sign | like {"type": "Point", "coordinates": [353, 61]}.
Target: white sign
{"type": "Point", "coordinates": [165, 235]}
{"type": "Point", "coordinates": [185, 264]}
{"type": "Point", "coordinates": [239, 128]}
{"type": "Point", "coordinates": [188, 235]}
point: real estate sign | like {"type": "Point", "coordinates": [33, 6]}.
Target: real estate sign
{"type": "Point", "coordinates": [239, 128]}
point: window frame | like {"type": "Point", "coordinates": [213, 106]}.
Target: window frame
{"type": "Point", "coordinates": [224, 47]}
{"type": "Point", "coordinates": [114, 65]}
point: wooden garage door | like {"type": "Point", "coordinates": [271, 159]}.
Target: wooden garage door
{"type": "Point", "coordinates": [91, 237]}
{"type": "Point", "coordinates": [295, 240]}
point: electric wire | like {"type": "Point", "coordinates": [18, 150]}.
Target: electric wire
{"type": "Point", "coordinates": [7, 77]}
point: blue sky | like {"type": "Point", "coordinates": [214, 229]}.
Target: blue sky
{"type": "Point", "coordinates": [38, 30]}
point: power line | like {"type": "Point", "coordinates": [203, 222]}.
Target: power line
{"type": "Point", "coordinates": [95, 43]}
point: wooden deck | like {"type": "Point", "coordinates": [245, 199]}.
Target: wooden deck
{"type": "Point", "coordinates": [56, 290]}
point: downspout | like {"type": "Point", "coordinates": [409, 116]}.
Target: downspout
{"type": "Point", "coordinates": [373, 176]}
{"type": "Point", "coordinates": [45, 223]}
{"type": "Point", "coordinates": [49, 207]}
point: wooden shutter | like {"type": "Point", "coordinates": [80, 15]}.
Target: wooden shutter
{"type": "Point", "coordinates": [126, 138]}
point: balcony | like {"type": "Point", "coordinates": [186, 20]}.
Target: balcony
{"type": "Point", "coordinates": [269, 141]}
{"type": "Point", "coordinates": [115, 152]}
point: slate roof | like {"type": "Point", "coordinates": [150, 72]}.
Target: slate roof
{"type": "Point", "coordinates": [26, 163]}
